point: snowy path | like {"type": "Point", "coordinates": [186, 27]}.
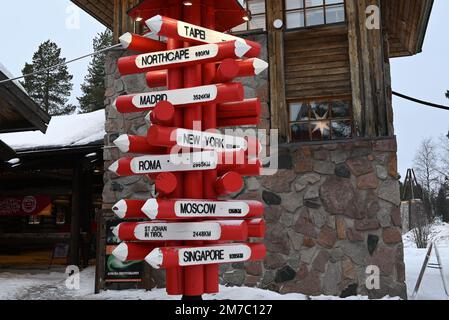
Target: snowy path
{"type": "Point", "coordinates": [42, 284]}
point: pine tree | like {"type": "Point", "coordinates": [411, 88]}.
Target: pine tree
{"type": "Point", "coordinates": [93, 87]}
{"type": "Point", "coordinates": [442, 203]}
{"type": "Point", "coordinates": [50, 88]}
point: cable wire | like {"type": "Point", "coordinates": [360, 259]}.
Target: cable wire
{"type": "Point", "coordinates": [61, 64]}
{"type": "Point", "coordinates": [430, 104]}
{"type": "Point", "coordinates": [400, 95]}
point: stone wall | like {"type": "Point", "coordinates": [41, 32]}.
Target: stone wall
{"type": "Point", "coordinates": [332, 209]}
{"type": "Point", "coordinates": [331, 212]}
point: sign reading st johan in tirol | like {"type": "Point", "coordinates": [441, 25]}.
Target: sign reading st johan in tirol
{"type": "Point", "coordinates": [178, 231]}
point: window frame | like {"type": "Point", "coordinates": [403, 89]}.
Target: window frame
{"type": "Point", "coordinates": [323, 6]}
{"type": "Point", "coordinates": [247, 23]}
{"type": "Point", "coordinates": [329, 100]}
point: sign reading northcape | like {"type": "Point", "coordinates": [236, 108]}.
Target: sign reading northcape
{"type": "Point", "coordinates": [183, 57]}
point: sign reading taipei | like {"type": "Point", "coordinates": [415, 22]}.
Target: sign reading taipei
{"type": "Point", "coordinates": [164, 26]}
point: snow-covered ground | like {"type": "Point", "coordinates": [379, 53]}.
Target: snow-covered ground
{"type": "Point", "coordinates": [439, 234]}
{"type": "Point", "coordinates": [42, 284]}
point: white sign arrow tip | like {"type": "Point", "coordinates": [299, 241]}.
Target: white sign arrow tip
{"type": "Point", "coordinates": [122, 143]}
{"type": "Point", "coordinates": [120, 209]}
{"type": "Point", "coordinates": [259, 66]}
{"type": "Point", "coordinates": [154, 24]}
{"type": "Point", "coordinates": [114, 167]}
{"type": "Point", "coordinates": [155, 258]}
{"type": "Point", "coordinates": [151, 208]}
{"type": "Point", "coordinates": [241, 48]}
{"type": "Point", "coordinates": [121, 252]}
{"type": "Point", "coordinates": [126, 40]}
{"type": "Point", "coordinates": [116, 231]}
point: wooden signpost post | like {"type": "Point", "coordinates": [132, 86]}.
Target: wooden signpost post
{"type": "Point", "coordinates": [188, 230]}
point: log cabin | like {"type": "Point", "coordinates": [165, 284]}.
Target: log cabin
{"type": "Point", "coordinates": [333, 205]}
{"type": "Point", "coordinates": [50, 190]}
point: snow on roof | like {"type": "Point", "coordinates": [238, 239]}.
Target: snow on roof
{"type": "Point", "coordinates": [11, 76]}
{"type": "Point", "coordinates": [63, 131]}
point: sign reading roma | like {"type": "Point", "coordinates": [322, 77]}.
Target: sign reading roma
{"type": "Point", "coordinates": [188, 229]}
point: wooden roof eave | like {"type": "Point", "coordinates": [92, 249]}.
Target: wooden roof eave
{"type": "Point", "coordinates": [32, 114]}
{"type": "Point", "coordinates": [102, 10]}
{"type": "Point", "coordinates": [6, 153]}
{"type": "Point", "coordinates": [406, 22]}
{"type": "Point", "coordinates": [425, 25]}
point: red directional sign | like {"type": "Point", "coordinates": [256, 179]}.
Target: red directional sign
{"type": "Point", "coordinates": [227, 71]}
{"type": "Point", "coordinates": [210, 94]}
{"type": "Point", "coordinates": [179, 209]}
{"type": "Point", "coordinates": [135, 144]}
{"type": "Point", "coordinates": [185, 228]}
{"type": "Point", "coordinates": [175, 29]}
{"type": "Point", "coordinates": [195, 161]}
{"type": "Point", "coordinates": [135, 251]}
{"type": "Point", "coordinates": [134, 42]}
{"type": "Point", "coordinates": [182, 57]}
{"type": "Point", "coordinates": [164, 258]}
{"type": "Point", "coordinates": [156, 79]}
{"type": "Point", "coordinates": [167, 136]}
{"type": "Point", "coordinates": [229, 230]}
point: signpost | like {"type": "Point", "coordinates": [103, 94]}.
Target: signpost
{"type": "Point", "coordinates": [209, 94]}
{"type": "Point", "coordinates": [187, 230]}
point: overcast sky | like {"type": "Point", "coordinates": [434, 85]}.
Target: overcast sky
{"type": "Point", "coordinates": [27, 23]}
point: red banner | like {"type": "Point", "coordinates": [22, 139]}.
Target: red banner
{"type": "Point", "coordinates": [23, 206]}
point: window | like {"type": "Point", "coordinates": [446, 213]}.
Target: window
{"type": "Point", "coordinates": [306, 13]}
{"type": "Point", "coordinates": [320, 121]}
{"type": "Point", "coordinates": [257, 19]}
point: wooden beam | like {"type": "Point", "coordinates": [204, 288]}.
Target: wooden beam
{"type": "Point", "coordinates": [278, 105]}
{"type": "Point", "coordinates": [30, 113]}
{"type": "Point", "coordinates": [74, 258]}
{"type": "Point", "coordinates": [369, 66]}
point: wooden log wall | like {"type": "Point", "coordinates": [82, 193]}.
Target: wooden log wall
{"type": "Point", "coordinates": [317, 61]}
{"type": "Point", "coordinates": [370, 78]}
{"type": "Point", "coordinates": [122, 22]}
{"type": "Point", "coordinates": [279, 112]}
